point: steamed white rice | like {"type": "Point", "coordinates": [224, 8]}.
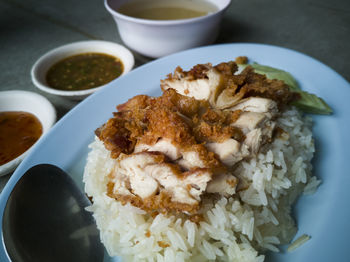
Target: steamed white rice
{"type": "Point", "coordinates": [239, 228]}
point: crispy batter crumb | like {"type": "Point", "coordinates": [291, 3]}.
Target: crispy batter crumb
{"type": "Point", "coordinates": [90, 198]}
{"type": "Point", "coordinates": [196, 218]}
{"type": "Point", "coordinates": [242, 60]}
{"type": "Point", "coordinates": [163, 244]}
{"type": "Point", "coordinates": [232, 182]}
{"type": "Point", "coordinates": [227, 69]}
{"type": "Point", "coordinates": [280, 134]}
{"type": "Point", "coordinates": [260, 86]}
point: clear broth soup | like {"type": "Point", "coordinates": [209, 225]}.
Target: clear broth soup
{"type": "Point", "coordinates": [167, 9]}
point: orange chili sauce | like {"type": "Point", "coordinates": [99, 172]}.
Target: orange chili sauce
{"type": "Point", "coordinates": [18, 132]}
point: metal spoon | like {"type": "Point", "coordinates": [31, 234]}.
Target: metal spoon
{"type": "Point", "coordinates": [45, 220]}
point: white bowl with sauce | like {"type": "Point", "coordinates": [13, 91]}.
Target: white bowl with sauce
{"type": "Point", "coordinates": [157, 38]}
{"type": "Point", "coordinates": [43, 64]}
{"type": "Point", "coordinates": [29, 102]}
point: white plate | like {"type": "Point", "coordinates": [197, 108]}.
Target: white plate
{"type": "Point", "coordinates": [325, 215]}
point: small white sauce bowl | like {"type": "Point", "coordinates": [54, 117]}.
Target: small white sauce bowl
{"type": "Point", "coordinates": [157, 38]}
{"type": "Point", "coordinates": [43, 64]}
{"type": "Point", "coordinates": [28, 102]}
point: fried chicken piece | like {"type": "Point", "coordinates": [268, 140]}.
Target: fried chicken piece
{"type": "Point", "coordinates": [206, 132]}
{"type": "Point", "coordinates": [137, 102]}
{"type": "Point", "coordinates": [202, 82]}
{"type": "Point", "coordinates": [230, 151]}
{"type": "Point", "coordinates": [228, 69]}
{"type": "Point", "coordinates": [165, 123]}
{"type": "Point", "coordinates": [258, 85]}
{"type": "Point", "coordinates": [188, 106]}
{"type": "Point", "coordinates": [173, 149]}
{"type": "Point", "coordinates": [120, 133]}
{"type": "Point", "coordinates": [216, 126]}
{"type": "Point", "coordinates": [147, 181]}
{"type": "Point", "coordinates": [222, 88]}
{"type": "Point", "coordinates": [199, 71]}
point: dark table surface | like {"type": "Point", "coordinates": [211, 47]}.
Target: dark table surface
{"type": "Point", "coordinates": [28, 29]}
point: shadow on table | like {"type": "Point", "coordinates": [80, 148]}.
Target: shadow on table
{"type": "Point", "coordinates": [235, 31]}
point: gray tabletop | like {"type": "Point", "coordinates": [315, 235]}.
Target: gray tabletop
{"type": "Point", "coordinates": [28, 29]}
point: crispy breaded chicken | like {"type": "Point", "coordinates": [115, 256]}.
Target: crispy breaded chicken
{"type": "Point", "coordinates": [172, 150]}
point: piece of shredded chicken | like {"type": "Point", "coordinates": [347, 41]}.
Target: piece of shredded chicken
{"type": "Point", "coordinates": [173, 150]}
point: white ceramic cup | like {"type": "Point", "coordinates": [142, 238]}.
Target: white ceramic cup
{"type": "Point", "coordinates": [43, 64]}
{"type": "Point", "coordinates": [157, 38]}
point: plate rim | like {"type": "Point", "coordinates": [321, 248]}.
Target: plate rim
{"type": "Point", "coordinates": [20, 170]}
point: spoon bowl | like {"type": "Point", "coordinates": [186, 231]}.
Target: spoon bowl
{"type": "Point", "coordinates": [45, 219]}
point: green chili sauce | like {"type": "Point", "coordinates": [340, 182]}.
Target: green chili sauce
{"type": "Point", "coordinates": [84, 71]}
